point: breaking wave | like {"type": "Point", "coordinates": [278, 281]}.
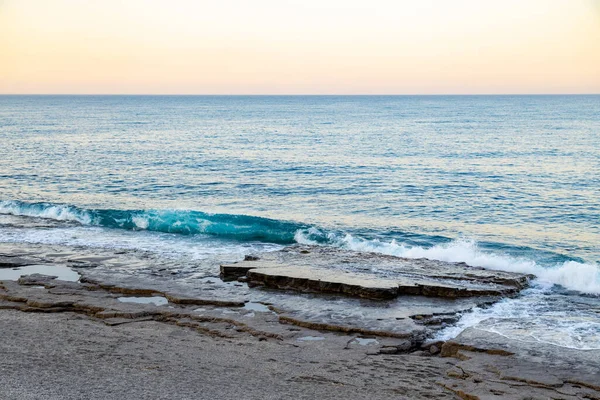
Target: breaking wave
{"type": "Point", "coordinates": [572, 275]}
{"type": "Point", "coordinates": [185, 222]}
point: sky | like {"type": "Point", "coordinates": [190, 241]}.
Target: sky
{"type": "Point", "coordinates": [299, 46]}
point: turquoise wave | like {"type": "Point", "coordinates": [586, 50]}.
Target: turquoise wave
{"type": "Point", "coordinates": [550, 268]}
{"type": "Point", "coordinates": [184, 222]}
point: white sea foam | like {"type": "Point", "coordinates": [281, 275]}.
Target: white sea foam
{"type": "Point", "coordinates": [141, 222]}
{"type": "Point", "coordinates": [537, 316]}
{"type": "Point", "coordinates": [57, 212]}
{"type": "Point", "coordinates": [571, 275]}
{"type": "Point", "coordinates": [303, 237]}
{"type": "Point", "coordinates": [170, 246]}
{"type": "Point", "coordinates": [582, 277]}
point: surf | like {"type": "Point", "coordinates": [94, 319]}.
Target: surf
{"type": "Point", "coordinates": [570, 274]}
{"type": "Point", "coordinates": [183, 222]}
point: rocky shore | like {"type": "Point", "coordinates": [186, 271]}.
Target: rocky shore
{"type": "Point", "coordinates": [73, 328]}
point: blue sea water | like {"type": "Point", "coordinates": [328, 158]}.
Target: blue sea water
{"type": "Point", "coordinates": [503, 182]}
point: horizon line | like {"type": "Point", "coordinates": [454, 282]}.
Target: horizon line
{"type": "Point", "coordinates": [299, 94]}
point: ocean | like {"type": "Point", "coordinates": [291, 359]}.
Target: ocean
{"type": "Point", "coordinates": [502, 182]}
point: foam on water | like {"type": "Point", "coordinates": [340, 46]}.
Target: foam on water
{"type": "Point", "coordinates": [190, 250]}
{"type": "Point", "coordinates": [572, 275]}
{"type": "Point", "coordinates": [540, 315]}
{"type": "Point", "coordinates": [58, 212]}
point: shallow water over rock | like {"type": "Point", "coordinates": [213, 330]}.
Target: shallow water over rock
{"type": "Point", "coordinates": [61, 272]}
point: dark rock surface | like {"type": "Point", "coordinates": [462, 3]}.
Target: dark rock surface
{"type": "Point", "coordinates": [330, 309]}
{"type": "Point", "coordinates": [329, 270]}
{"type": "Point", "coordinates": [322, 281]}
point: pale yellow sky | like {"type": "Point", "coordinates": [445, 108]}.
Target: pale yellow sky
{"type": "Point", "coordinates": [300, 46]}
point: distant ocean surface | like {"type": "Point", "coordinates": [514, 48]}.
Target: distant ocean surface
{"type": "Point", "coordinates": [503, 182]}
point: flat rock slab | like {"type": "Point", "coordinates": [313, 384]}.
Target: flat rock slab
{"type": "Point", "coordinates": [369, 275]}
{"type": "Point", "coordinates": [320, 280]}
{"type": "Point", "coordinates": [14, 262]}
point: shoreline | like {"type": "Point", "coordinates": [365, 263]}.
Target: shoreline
{"type": "Point", "coordinates": [64, 340]}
